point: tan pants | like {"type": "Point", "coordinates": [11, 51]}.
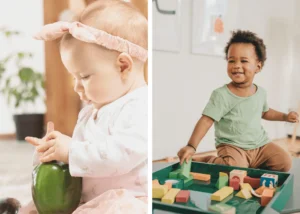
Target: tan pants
{"type": "Point", "coordinates": [269, 156]}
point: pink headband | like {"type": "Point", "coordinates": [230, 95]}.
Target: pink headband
{"type": "Point", "coordinates": [91, 35]}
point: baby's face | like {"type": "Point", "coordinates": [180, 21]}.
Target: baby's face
{"type": "Point", "coordinates": [242, 63]}
{"type": "Point", "coordinates": [97, 78]}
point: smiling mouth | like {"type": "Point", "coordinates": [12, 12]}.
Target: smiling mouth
{"type": "Point", "coordinates": [237, 73]}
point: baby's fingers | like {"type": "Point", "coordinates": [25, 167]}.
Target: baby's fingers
{"type": "Point", "coordinates": [48, 152]}
{"type": "Point", "coordinates": [50, 127]}
{"type": "Point", "coordinates": [45, 146]}
{"type": "Point", "coordinates": [33, 140]}
{"type": "Point", "coordinates": [48, 158]}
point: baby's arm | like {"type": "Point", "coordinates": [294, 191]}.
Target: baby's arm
{"type": "Point", "coordinates": [274, 115]}
{"type": "Point", "coordinates": [104, 155]}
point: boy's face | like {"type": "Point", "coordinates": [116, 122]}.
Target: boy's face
{"type": "Point", "coordinates": [97, 78]}
{"type": "Point", "coordinates": [242, 63]}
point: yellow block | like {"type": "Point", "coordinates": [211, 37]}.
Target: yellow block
{"type": "Point", "coordinates": [200, 176]}
{"type": "Point", "coordinates": [246, 186]}
{"type": "Point", "coordinates": [244, 193]}
{"type": "Point", "coordinates": [222, 174]}
{"type": "Point", "coordinates": [158, 191]}
{"type": "Point", "coordinates": [169, 198]}
{"type": "Point", "coordinates": [222, 193]}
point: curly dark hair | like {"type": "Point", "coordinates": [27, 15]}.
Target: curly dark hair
{"type": "Point", "coordinates": [248, 37]}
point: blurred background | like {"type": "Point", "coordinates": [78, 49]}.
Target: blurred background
{"type": "Point", "coordinates": [34, 85]}
{"type": "Point", "coordinates": [188, 64]}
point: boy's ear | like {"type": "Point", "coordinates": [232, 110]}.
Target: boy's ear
{"type": "Point", "coordinates": [124, 63]}
{"type": "Point", "coordinates": [259, 66]}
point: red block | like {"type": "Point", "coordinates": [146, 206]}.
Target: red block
{"type": "Point", "coordinates": [183, 196]}
{"type": "Point", "coordinates": [235, 183]}
{"type": "Point", "coordinates": [254, 182]}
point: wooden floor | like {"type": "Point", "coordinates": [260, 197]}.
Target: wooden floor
{"type": "Point", "coordinates": [285, 143]}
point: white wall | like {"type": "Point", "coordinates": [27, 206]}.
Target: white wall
{"type": "Point", "coordinates": [26, 17]}
{"type": "Point", "coordinates": [183, 82]}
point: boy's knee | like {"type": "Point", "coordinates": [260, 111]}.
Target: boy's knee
{"type": "Point", "coordinates": [286, 164]}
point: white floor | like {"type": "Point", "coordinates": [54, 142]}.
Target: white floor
{"type": "Point", "coordinates": [15, 170]}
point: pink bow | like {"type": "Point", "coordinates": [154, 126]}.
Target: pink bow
{"type": "Point", "coordinates": [91, 35]}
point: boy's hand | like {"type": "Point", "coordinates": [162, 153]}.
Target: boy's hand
{"type": "Point", "coordinates": [185, 154]}
{"type": "Point", "coordinates": [293, 117]}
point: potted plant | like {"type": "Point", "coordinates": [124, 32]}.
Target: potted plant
{"type": "Point", "coordinates": [22, 88]}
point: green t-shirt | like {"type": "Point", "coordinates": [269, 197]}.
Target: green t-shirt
{"type": "Point", "coordinates": [238, 119]}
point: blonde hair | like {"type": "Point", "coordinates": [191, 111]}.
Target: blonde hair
{"type": "Point", "coordinates": [116, 17]}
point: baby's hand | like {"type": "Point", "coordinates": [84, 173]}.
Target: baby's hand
{"type": "Point", "coordinates": [185, 154]}
{"type": "Point", "coordinates": [37, 141]}
{"type": "Point", "coordinates": [293, 117]}
{"type": "Point", "coordinates": [56, 147]}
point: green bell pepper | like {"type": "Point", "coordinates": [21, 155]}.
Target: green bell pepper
{"type": "Point", "coordinates": [54, 190]}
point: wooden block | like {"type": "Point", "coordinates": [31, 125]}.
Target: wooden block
{"type": "Point", "coordinates": [183, 196]}
{"type": "Point", "coordinates": [155, 182]}
{"type": "Point", "coordinates": [260, 190]}
{"type": "Point", "coordinates": [158, 191]}
{"type": "Point", "coordinates": [222, 208]}
{"type": "Point", "coordinates": [254, 182]}
{"type": "Point", "coordinates": [200, 176]}
{"type": "Point", "coordinates": [187, 182]}
{"type": "Point", "coordinates": [244, 193]}
{"type": "Point", "coordinates": [222, 193]}
{"type": "Point", "coordinates": [222, 174]}
{"type": "Point", "coordinates": [241, 174]}
{"type": "Point", "coordinates": [174, 174]}
{"type": "Point", "coordinates": [234, 183]}
{"type": "Point", "coordinates": [269, 180]}
{"type": "Point", "coordinates": [185, 170]}
{"type": "Point", "coordinates": [168, 184]}
{"type": "Point", "coordinates": [246, 186]}
{"type": "Point", "coordinates": [267, 196]}
{"type": "Point", "coordinates": [222, 181]}
{"type": "Point", "coordinates": [169, 198]}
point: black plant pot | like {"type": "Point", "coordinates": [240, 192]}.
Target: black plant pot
{"type": "Point", "coordinates": [29, 125]}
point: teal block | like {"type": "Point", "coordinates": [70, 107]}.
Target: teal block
{"type": "Point", "coordinates": [188, 182]}
{"type": "Point", "coordinates": [178, 185]}
{"type": "Point", "coordinates": [185, 170]}
{"type": "Point", "coordinates": [181, 176]}
{"type": "Point", "coordinates": [174, 174]}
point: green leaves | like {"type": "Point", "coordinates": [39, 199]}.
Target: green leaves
{"type": "Point", "coordinates": [26, 84]}
{"type": "Point", "coordinates": [9, 33]}
{"type": "Point", "coordinates": [26, 74]}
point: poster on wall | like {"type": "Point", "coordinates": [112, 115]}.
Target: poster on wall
{"type": "Point", "coordinates": [166, 25]}
{"type": "Point", "coordinates": [209, 26]}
